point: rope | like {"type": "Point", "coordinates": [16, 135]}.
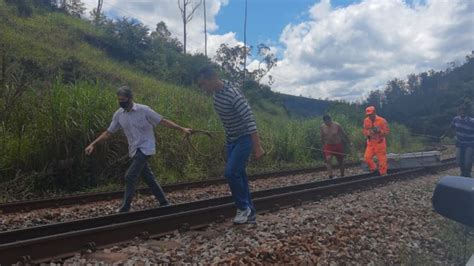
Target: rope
{"type": "Point", "coordinates": [428, 136]}
{"type": "Point", "coordinates": [396, 157]}
{"type": "Point", "coordinates": [313, 148]}
{"type": "Point", "coordinates": [210, 132]}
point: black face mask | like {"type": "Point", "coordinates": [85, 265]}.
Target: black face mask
{"type": "Point", "coordinates": [124, 105]}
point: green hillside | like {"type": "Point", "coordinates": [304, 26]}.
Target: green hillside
{"type": "Point", "coordinates": [426, 102]}
{"type": "Point", "coordinates": [58, 74]}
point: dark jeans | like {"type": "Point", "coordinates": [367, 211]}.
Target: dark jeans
{"type": "Point", "coordinates": [140, 166]}
{"type": "Point", "coordinates": [464, 159]}
{"type": "Point", "coordinates": [238, 153]}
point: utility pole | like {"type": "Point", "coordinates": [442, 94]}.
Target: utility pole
{"type": "Point", "coordinates": [245, 43]}
{"type": "Point", "coordinates": [205, 29]}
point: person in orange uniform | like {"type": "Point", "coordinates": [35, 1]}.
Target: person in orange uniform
{"type": "Point", "coordinates": [375, 129]}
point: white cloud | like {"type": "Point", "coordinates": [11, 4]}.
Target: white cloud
{"type": "Point", "coordinates": [150, 12]}
{"type": "Point", "coordinates": [338, 53]}
{"type": "Point", "coordinates": [320, 10]}
{"type": "Point", "coordinates": [345, 52]}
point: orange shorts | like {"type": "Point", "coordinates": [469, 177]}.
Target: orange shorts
{"type": "Point", "coordinates": [334, 149]}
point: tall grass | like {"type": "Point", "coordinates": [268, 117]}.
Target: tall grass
{"type": "Point", "coordinates": [50, 127]}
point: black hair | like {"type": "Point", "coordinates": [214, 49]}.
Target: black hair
{"type": "Point", "coordinates": [125, 91]}
{"type": "Point", "coordinates": [327, 118]}
{"type": "Point", "coordinates": [207, 73]}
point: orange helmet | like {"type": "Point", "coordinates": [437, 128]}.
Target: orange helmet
{"type": "Point", "coordinates": [370, 110]}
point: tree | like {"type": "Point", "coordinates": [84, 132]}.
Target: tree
{"type": "Point", "coordinates": [23, 7]}
{"type": "Point", "coordinates": [97, 16]}
{"type": "Point", "coordinates": [186, 16]}
{"type": "Point", "coordinates": [395, 90]}
{"type": "Point", "coordinates": [232, 61]}
{"type": "Point", "coordinates": [161, 31]}
{"type": "Point", "coordinates": [413, 83]}
{"type": "Point", "coordinates": [128, 39]}
{"type": "Point", "coordinates": [267, 61]}
{"type": "Point", "coordinates": [162, 37]}
{"type": "Point", "coordinates": [73, 7]}
{"type": "Point", "coordinates": [76, 8]}
{"type": "Point", "coordinates": [376, 98]}
{"type": "Point", "coordinates": [45, 4]}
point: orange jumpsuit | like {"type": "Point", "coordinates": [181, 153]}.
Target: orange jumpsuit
{"type": "Point", "coordinates": [376, 143]}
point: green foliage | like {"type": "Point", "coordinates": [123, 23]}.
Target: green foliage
{"type": "Point", "coordinates": [427, 102]}
{"type": "Point", "coordinates": [232, 59]}
{"type": "Point", "coordinates": [48, 126]}
{"type": "Point", "coordinates": [73, 7]}
{"type": "Point", "coordinates": [57, 80]}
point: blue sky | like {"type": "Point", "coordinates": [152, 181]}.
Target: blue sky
{"type": "Point", "coordinates": [326, 49]}
{"type": "Point", "coordinates": [265, 18]}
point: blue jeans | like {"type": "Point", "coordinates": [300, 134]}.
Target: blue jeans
{"type": "Point", "coordinates": [464, 159]}
{"type": "Point", "coordinates": [140, 166]}
{"type": "Point", "coordinates": [238, 153]}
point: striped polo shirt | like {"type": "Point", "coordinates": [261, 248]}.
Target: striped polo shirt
{"type": "Point", "coordinates": [234, 112]}
{"type": "Point", "coordinates": [464, 127]}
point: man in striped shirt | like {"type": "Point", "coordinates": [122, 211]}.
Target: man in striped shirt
{"type": "Point", "coordinates": [463, 124]}
{"type": "Point", "coordinates": [241, 135]}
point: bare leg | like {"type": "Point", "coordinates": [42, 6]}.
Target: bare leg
{"type": "Point", "coordinates": [328, 165]}
{"type": "Point", "coordinates": [341, 166]}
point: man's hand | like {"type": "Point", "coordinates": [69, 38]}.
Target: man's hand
{"type": "Point", "coordinates": [186, 131]}
{"type": "Point", "coordinates": [259, 152]}
{"type": "Point", "coordinates": [376, 130]}
{"type": "Point", "coordinates": [89, 149]}
{"type": "Point", "coordinates": [105, 135]}
{"type": "Point", "coordinates": [170, 124]}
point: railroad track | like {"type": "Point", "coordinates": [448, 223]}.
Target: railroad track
{"type": "Point", "coordinates": [45, 243]}
{"type": "Point", "coordinates": [45, 203]}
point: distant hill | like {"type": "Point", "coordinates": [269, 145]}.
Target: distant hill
{"type": "Point", "coordinates": [302, 107]}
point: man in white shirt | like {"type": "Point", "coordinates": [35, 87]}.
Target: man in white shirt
{"type": "Point", "coordinates": [137, 121]}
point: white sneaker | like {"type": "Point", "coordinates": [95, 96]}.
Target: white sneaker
{"type": "Point", "coordinates": [242, 216]}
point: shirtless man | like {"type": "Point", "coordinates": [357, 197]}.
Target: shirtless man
{"type": "Point", "coordinates": [333, 138]}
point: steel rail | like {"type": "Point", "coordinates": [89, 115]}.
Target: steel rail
{"type": "Point", "coordinates": [44, 203]}
{"type": "Point", "coordinates": [47, 247]}
{"type": "Point", "coordinates": [62, 227]}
